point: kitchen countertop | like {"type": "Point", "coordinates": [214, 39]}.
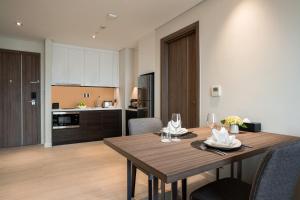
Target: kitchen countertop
{"type": "Point", "coordinates": [132, 109]}
{"type": "Point", "coordinates": [84, 109]}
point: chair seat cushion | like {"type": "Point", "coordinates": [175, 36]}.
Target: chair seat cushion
{"type": "Point", "coordinates": [224, 189]}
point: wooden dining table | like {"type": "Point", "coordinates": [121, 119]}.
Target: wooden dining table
{"type": "Point", "coordinates": [176, 161]}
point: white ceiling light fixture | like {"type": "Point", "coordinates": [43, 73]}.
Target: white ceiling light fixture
{"type": "Point", "coordinates": [94, 36]}
{"type": "Point", "coordinates": [19, 23]}
{"type": "Point", "coordinates": [112, 15]}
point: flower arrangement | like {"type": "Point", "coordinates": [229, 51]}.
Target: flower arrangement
{"type": "Point", "coordinates": [81, 104]}
{"type": "Point", "coordinates": [233, 120]}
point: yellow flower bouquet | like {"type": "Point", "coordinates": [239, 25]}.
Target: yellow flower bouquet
{"type": "Point", "coordinates": [233, 120]}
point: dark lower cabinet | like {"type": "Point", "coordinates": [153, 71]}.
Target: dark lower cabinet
{"type": "Point", "coordinates": [130, 114]}
{"type": "Point", "coordinates": [111, 123]}
{"type": "Point", "coordinates": [94, 125]}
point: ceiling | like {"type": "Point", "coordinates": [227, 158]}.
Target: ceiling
{"type": "Point", "coordinates": [75, 21]}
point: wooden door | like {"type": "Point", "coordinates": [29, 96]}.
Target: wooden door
{"type": "Point", "coordinates": [10, 100]}
{"type": "Point", "coordinates": [180, 76]}
{"type": "Point", "coordinates": [31, 98]}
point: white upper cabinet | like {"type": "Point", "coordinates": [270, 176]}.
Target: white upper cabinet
{"type": "Point", "coordinates": [59, 65]}
{"type": "Point", "coordinates": [92, 68]}
{"type": "Point", "coordinates": [84, 66]}
{"type": "Point", "coordinates": [116, 69]}
{"type": "Point", "coordinates": [106, 68]}
{"type": "Point", "coordinates": [75, 65]}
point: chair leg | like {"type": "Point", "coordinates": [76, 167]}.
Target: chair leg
{"type": "Point", "coordinates": [184, 189]}
{"type": "Point", "coordinates": [174, 190]}
{"type": "Point", "coordinates": [133, 180]}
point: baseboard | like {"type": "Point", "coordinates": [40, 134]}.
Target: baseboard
{"type": "Point", "coordinates": [47, 145]}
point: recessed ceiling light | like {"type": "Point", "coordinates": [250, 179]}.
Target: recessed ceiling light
{"type": "Point", "coordinates": [94, 36]}
{"type": "Point", "coordinates": [112, 15]}
{"type": "Point", "coordinates": [19, 23]}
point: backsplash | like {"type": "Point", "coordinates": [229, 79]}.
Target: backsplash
{"type": "Point", "coordinates": [69, 96]}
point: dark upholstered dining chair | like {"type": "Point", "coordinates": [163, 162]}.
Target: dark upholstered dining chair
{"type": "Point", "coordinates": [140, 126]}
{"type": "Point", "coordinates": [276, 179]}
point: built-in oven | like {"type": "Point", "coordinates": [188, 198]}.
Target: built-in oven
{"type": "Point", "coordinates": [63, 120]}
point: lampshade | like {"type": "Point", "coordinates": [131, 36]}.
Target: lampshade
{"type": "Point", "coordinates": [134, 94]}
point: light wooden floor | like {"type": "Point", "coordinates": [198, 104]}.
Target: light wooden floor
{"type": "Point", "coordinates": [85, 171]}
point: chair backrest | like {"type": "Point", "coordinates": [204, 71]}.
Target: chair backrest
{"type": "Point", "coordinates": [144, 125]}
{"type": "Point", "coordinates": [278, 174]}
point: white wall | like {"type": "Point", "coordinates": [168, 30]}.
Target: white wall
{"type": "Point", "coordinates": [126, 78]}
{"type": "Point", "coordinates": [48, 93]}
{"type": "Point", "coordinates": [146, 54]}
{"type": "Point", "coordinates": [136, 67]}
{"type": "Point", "coordinates": [29, 46]}
{"type": "Point", "coordinates": [251, 48]}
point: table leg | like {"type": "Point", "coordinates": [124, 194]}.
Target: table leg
{"type": "Point", "coordinates": [133, 180]}
{"type": "Point", "coordinates": [174, 190]}
{"type": "Point", "coordinates": [150, 185]}
{"type": "Point", "coordinates": [129, 179]}
{"type": "Point", "coordinates": [163, 191]}
{"type": "Point", "coordinates": [232, 170]}
{"type": "Point", "coordinates": [184, 189]}
{"type": "Point", "coordinates": [155, 188]}
{"type": "Point", "coordinates": [239, 170]}
{"type": "Point", "coordinates": [218, 174]}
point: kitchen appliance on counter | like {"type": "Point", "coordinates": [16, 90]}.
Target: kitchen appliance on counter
{"type": "Point", "coordinates": [107, 104]}
{"type": "Point", "coordinates": [146, 95]}
{"type": "Point", "coordinates": [133, 104]}
{"type": "Point", "coordinates": [64, 120]}
{"type": "Point", "coordinates": [55, 105]}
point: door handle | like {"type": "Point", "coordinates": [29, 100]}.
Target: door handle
{"type": "Point", "coordinates": [33, 102]}
{"type": "Point", "coordinates": [35, 82]}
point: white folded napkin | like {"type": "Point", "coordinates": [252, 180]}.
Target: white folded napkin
{"type": "Point", "coordinates": [170, 129]}
{"type": "Point", "coordinates": [246, 120]}
{"type": "Point", "coordinates": [222, 137]}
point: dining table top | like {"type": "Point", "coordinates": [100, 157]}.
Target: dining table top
{"type": "Point", "coordinates": [175, 161]}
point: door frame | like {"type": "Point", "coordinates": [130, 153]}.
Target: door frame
{"type": "Point", "coordinates": [164, 67]}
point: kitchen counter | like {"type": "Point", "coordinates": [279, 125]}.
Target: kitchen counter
{"type": "Point", "coordinates": [84, 109]}
{"type": "Point", "coordinates": [132, 109]}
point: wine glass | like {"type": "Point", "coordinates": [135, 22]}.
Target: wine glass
{"type": "Point", "coordinates": [211, 120]}
{"type": "Point", "coordinates": [176, 123]}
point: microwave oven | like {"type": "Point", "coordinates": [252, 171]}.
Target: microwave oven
{"type": "Point", "coordinates": [64, 120]}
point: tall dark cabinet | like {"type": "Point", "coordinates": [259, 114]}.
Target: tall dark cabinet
{"type": "Point", "coordinates": [19, 85]}
{"type": "Point", "coordinates": [146, 95]}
